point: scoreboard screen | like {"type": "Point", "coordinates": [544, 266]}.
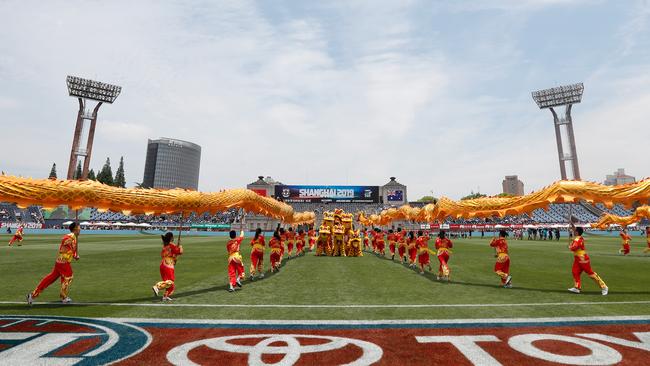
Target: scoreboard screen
{"type": "Point", "coordinates": [360, 194]}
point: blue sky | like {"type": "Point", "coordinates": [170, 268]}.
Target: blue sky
{"type": "Point", "coordinates": [436, 93]}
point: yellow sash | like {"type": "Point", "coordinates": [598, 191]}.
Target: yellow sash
{"type": "Point", "coordinates": [443, 250]}
{"type": "Point", "coordinates": [235, 256]}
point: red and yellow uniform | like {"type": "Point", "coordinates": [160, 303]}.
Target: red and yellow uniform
{"type": "Point", "coordinates": [392, 240]}
{"type": "Point", "coordinates": [300, 243]}
{"type": "Point", "coordinates": [502, 266]}
{"type": "Point", "coordinates": [365, 239]}
{"type": "Point", "coordinates": [411, 244]}
{"type": "Point", "coordinates": [235, 260]}
{"type": "Point", "coordinates": [354, 245]}
{"type": "Point", "coordinates": [582, 263]}
{"type": "Point", "coordinates": [276, 253]}
{"type": "Point", "coordinates": [312, 239]}
{"type": "Point", "coordinates": [257, 255]}
{"type": "Point", "coordinates": [18, 236]}
{"type": "Point", "coordinates": [290, 240]}
{"type": "Point", "coordinates": [625, 244]}
{"type": "Point", "coordinates": [169, 255]}
{"type": "Point", "coordinates": [323, 241]}
{"type": "Point", "coordinates": [647, 238]}
{"type": "Point", "coordinates": [373, 241]}
{"type": "Point", "coordinates": [283, 241]}
{"type": "Point", "coordinates": [62, 267]}
{"type": "Point", "coordinates": [443, 251]}
{"type": "Point", "coordinates": [381, 244]}
{"type": "Point", "coordinates": [424, 259]}
{"type": "Point", "coordinates": [338, 246]}
{"type": "Point", "coordinates": [401, 247]}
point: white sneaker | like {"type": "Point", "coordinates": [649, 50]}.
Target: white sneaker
{"type": "Point", "coordinates": [261, 275]}
{"type": "Point", "coordinates": [508, 279]}
{"type": "Point", "coordinates": [156, 292]}
{"type": "Point", "coordinates": [167, 298]}
{"type": "Point", "coordinates": [604, 291]}
{"type": "Point", "coordinates": [574, 290]}
{"type": "Point", "coordinates": [438, 278]}
{"type": "Point", "coordinates": [231, 289]}
{"type": "Point", "coordinates": [238, 283]}
{"type": "Point", "coordinates": [67, 300]}
{"type": "Point", "coordinates": [507, 285]}
{"type": "Point", "coordinates": [30, 299]}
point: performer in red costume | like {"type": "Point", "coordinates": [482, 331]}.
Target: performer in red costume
{"type": "Point", "coordinates": [62, 267]}
{"type": "Point", "coordinates": [647, 238]}
{"type": "Point", "coordinates": [412, 249]}
{"type": "Point", "coordinates": [311, 234]}
{"type": "Point", "coordinates": [381, 244]}
{"type": "Point", "coordinates": [502, 266]}
{"type": "Point", "coordinates": [235, 260]}
{"type": "Point", "coordinates": [582, 263]}
{"type": "Point", "coordinates": [276, 251]}
{"type": "Point", "coordinates": [443, 251]}
{"type": "Point", "coordinates": [283, 241]}
{"type": "Point", "coordinates": [401, 246]}
{"type": "Point", "coordinates": [169, 254]}
{"type": "Point", "coordinates": [625, 244]}
{"type": "Point", "coordinates": [257, 254]}
{"type": "Point", "coordinates": [422, 243]}
{"type": "Point", "coordinates": [291, 241]}
{"type": "Point", "coordinates": [365, 235]}
{"type": "Point", "coordinates": [18, 236]}
{"type": "Point", "coordinates": [392, 240]}
{"type": "Point", "coordinates": [300, 243]}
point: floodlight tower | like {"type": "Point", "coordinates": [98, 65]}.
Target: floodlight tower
{"type": "Point", "coordinates": [85, 90]}
{"type": "Point", "coordinates": [567, 96]}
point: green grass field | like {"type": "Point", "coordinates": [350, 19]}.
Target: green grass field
{"type": "Point", "coordinates": [120, 270]}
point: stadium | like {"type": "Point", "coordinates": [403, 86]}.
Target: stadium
{"type": "Point", "coordinates": [298, 266]}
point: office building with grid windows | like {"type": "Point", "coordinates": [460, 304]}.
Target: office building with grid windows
{"type": "Point", "coordinates": [172, 163]}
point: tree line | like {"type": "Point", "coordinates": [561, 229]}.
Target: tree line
{"type": "Point", "coordinates": [105, 174]}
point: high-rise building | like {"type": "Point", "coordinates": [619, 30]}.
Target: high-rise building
{"type": "Point", "coordinates": [513, 186]}
{"type": "Point", "coordinates": [171, 164]}
{"type": "Point", "coordinates": [619, 177]}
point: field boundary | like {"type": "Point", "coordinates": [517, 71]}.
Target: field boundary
{"type": "Point", "coordinates": [334, 306]}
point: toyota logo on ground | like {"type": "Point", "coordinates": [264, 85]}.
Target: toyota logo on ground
{"type": "Point", "coordinates": [47, 340]}
{"type": "Point", "coordinates": [290, 347]}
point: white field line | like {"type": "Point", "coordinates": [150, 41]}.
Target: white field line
{"type": "Point", "coordinates": [381, 322]}
{"type": "Point", "coordinates": [352, 322]}
{"type": "Point", "coordinates": [336, 306]}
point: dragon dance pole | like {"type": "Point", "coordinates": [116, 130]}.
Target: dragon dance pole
{"type": "Point", "coordinates": [180, 228]}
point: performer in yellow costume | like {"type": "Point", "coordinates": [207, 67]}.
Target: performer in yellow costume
{"type": "Point", "coordinates": [354, 244]}
{"type": "Point", "coordinates": [323, 241]}
{"type": "Point", "coordinates": [328, 220]}
{"type": "Point", "coordinates": [338, 243]}
{"type": "Point", "coordinates": [346, 219]}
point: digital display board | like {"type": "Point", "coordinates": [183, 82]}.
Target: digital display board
{"type": "Point", "coordinates": [396, 195]}
{"type": "Point", "coordinates": [364, 194]}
